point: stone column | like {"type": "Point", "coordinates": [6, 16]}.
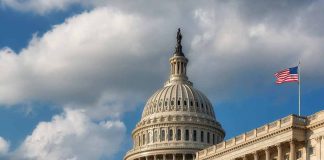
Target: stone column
{"type": "Point", "coordinates": [244, 157]}
{"type": "Point", "coordinates": [255, 156]}
{"type": "Point", "coordinates": [279, 152]}
{"type": "Point", "coordinates": [322, 149]}
{"type": "Point", "coordinates": [194, 157]}
{"type": "Point", "coordinates": [174, 157]}
{"type": "Point", "coordinates": [267, 153]}
{"type": "Point", "coordinates": [146, 158]}
{"type": "Point", "coordinates": [183, 156]}
{"type": "Point", "coordinates": [292, 155]}
{"type": "Point", "coordinates": [164, 157]}
{"type": "Point", "coordinates": [154, 157]}
{"type": "Point", "coordinates": [183, 132]}
{"type": "Point", "coordinates": [318, 147]}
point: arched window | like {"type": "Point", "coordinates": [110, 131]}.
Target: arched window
{"type": "Point", "coordinates": [202, 136]}
{"type": "Point", "coordinates": [170, 135]}
{"type": "Point", "coordinates": [178, 134]}
{"type": "Point", "coordinates": [187, 135]}
{"type": "Point", "coordinates": [163, 135]}
{"type": "Point", "coordinates": [208, 137]}
{"type": "Point", "coordinates": [194, 135]}
{"type": "Point", "coordinates": [139, 141]}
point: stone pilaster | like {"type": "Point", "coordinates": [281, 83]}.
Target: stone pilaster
{"type": "Point", "coordinates": [318, 147]}
{"type": "Point", "coordinates": [267, 153]}
{"type": "Point", "coordinates": [292, 155]}
{"type": "Point", "coordinates": [255, 156]}
{"type": "Point", "coordinates": [279, 149]}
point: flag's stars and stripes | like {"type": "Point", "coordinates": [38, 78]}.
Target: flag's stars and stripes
{"type": "Point", "coordinates": [287, 75]}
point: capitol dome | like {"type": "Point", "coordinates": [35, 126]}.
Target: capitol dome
{"type": "Point", "coordinates": [178, 119]}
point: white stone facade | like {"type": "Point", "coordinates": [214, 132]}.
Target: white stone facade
{"type": "Point", "coordinates": [290, 138]}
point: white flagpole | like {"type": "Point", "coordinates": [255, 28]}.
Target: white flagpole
{"type": "Point", "coordinates": [299, 74]}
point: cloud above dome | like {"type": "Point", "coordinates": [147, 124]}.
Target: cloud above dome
{"type": "Point", "coordinates": [108, 59]}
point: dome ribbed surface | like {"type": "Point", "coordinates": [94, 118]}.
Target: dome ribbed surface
{"type": "Point", "coordinates": [178, 98]}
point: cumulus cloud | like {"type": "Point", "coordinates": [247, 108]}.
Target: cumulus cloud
{"type": "Point", "coordinates": [4, 147]}
{"type": "Point", "coordinates": [72, 135]}
{"type": "Point", "coordinates": [102, 62]}
{"type": "Point", "coordinates": [90, 60]}
{"type": "Point", "coordinates": [112, 57]}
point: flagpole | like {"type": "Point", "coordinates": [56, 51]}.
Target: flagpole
{"type": "Point", "coordinates": [299, 74]}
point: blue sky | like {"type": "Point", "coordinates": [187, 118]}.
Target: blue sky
{"type": "Point", "coordinates": [77, 71]}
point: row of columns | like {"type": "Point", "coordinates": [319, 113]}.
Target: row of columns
{"type": "Point", "coordinates": [292, 153]}
{"type": "Point", "coordinates": [164, 156]}
{"type": "Point", "coordinates": [178, 68]}
{"type": "Point", "coordinates": [154, 136]}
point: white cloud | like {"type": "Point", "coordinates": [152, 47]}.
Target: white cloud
{"type": "Point", "coordinates": [4, 146]}
{"type": "Point", "coordinates": [87, 61]}
{"type": "Point", "coordinates": [72, 135]}
{"type": "Point", "coordinates": [112, 57]}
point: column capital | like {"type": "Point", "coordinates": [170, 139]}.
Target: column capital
{"type": "Point", "coordinates": [278, 145]}
{"type": "Point", "coordinates": [319, 138]}
{"type": "Point", "coordinates": [292, 141]}
{"type": "Point", "coordinates": [266, 148]}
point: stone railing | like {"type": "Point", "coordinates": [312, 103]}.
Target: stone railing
{"type": "Point", "coordinates": [166, 145]}
{"type": "Point", "coordinates": [317, 117]}
{"type": "Point", "coordinates": [291, 120]}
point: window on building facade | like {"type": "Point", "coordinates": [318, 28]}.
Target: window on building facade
{"type": "Point", "coordinates": [185, 102]}
{"type": "Point", "coordinates": [208, 137]}
{"type": "Point", "coordinates": [170, 135]}
{"type": "Point", "coordinates": [162, 135]}
{"type": "Point", "coordinates": [178, 102]}
{"type": "Point", "coordinates": [178, 134]}
{"type": "Point", "coordinates": [202, 136]}
{"type": "Point", "coordinates": [187, 135]}
{"type": "Point", "coordinates": [172, 102]}
{"type": "Point", "coordinates": [194, 135]}
{"type": "Point", "coordinates": [143, 139]}
{"type": "Point", "coordinates": [213, 138]}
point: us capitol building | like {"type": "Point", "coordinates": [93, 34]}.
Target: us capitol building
{"type": "Point", "coordinates": [178, 123]}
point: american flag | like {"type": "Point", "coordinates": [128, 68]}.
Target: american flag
{"type": "Point", "coordinates": [287, 75]}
